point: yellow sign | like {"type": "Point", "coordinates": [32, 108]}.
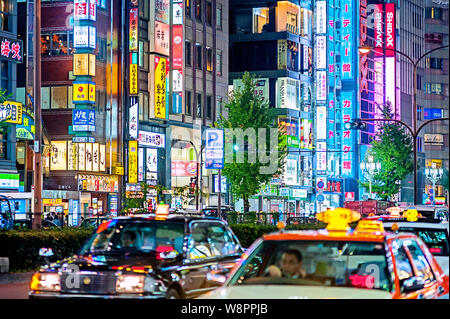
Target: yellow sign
{"type": "Point", "coordinates": [81, 64]}
{"type": "Point", "coordinates": [80, 92]}
{"type": "Point", "coordinates": [160, 87]}
{"type": "Point", "coordinates": [411, 215]}
{"type": "Point", "coordinates": [338, 219]}
{"type": "Point", "coordinates": [52, 201]}
{"type": "Point", "coordinates": [118, 170]}
{"type": "Point", "coordinates": [92, 92]}
{"type": "Point", "coordinates": [92, 64]}
{"type": "Point", "coordinates": [11, 112]}
{"type": "Point", "coordinates": [132, 162]}
{"type": "Point", "coordinates": [133, 79]}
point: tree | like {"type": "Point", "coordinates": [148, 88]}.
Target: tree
{"type": "Point", "coordinates": [445, 180]}
{"type": "Point", "coordinates": [247, 110]}
{"type": "Point", "coordinates": [393, 148]}
{"type": "Point", "coordinates": [3, 97]}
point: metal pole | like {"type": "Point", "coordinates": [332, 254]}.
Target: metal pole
{"type": "Point", "coordinates": [414, 110]}
{"type": "Point", "coordinates": [219, 200]}
{"type": "Point", "coordinates": [434, 190]}
{"type": "Point", "coordinates": [37, 180]}
{"type": "Point", "coordinates": [111, 88]}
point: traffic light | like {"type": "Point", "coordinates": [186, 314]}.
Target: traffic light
{"type": "Point", "coordinates": [193, 185]}
{"type": "Point", "coordinates": [355, 124]}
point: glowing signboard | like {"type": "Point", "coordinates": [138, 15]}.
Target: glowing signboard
{"type": "Point", "coordinates": [347, 26]}
{"type": "Point", "coordinates": [160, 87]}
{"type": "Point", "coordinates": [347, 135]}
{"type": "Point", "coordinates": [390, 28]}
{"type": "Point", "coordinates": [321, 86]}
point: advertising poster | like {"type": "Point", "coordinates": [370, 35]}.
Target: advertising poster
{"type": "Point", "coordinates": [177, 47]}
{"type": "Point", "coordinates": [133, 79]}
{"type": "Point", "coordinates": [140, 164]}
{"type": "Point", "coordinates": [58, 155]}
{"type": "Point", "coordinates": [133, 118]}
{"type": "Point", "coordinates": [151, 162]}
{"type": "Point", "coordinates": [80, 36]}
{"type": "Point", "coordinates": [177, 80]}
{"type": "Point", "coordinates": [132, 162]}
{"type": "Point", "coordinates": [102, 158]}
{"type": "Point", "coordinates": [162, 36]}
{"type": "Point", "coordinates": [160, 87]}
{"type": "Point", "coordinates": [133, 29]}
{"type": "Point", "coordinates": [282, 54]}
{"type": "Point", "coordinates": [177, 13]}
{"type": "Point", "coordinates": [151, 139]}
{"type": "Point", "coordinates": [80, 11]}
{"type": "Point", "coordinates": [80, 92]}
{"type": "Point", "coordinates": [162, 10]}
{"type": "Point", "coordinates": [81, 64]}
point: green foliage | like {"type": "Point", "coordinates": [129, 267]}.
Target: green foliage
{"type": "Point", "coordinates": [138, 204]}
{"type": "Point", "coordinates": [3, 97]}
{"type": "Point", "coordinates": [247, 110]}
{"type": "Point", "coordinates": [393, 148]}
{"type": "Point", "coordinates": [445, 181]}
{"type": "Point", "coordinates": [22, 246]}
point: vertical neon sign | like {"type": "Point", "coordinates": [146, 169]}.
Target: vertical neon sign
{"type": "Point", "coordinates": [347, 135]}
{"type": "Point", "coordinates": [347, 40]}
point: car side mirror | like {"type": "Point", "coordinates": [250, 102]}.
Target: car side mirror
{"type": "Point", "coordinates": [413, 284]}
{"type": "Point", "coordinates": [45, 252]}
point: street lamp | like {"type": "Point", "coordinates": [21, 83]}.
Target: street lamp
{"type": "Point", "coordinates": [370, 169]}
{"type": "Point", "coordinates": [434, 174]}
{"type": "Point", "coordinates": [414, 130]}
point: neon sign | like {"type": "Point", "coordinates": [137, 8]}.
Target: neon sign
{"type": "Point", "coordinates": [346, 40]}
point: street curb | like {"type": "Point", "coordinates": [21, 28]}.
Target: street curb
{"type": "Point", "coordinates": [16, 277]}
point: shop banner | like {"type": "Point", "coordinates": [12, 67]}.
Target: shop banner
{"type": "Point", "coordinates": [282, 54]}
{"type": "Point", "coordinates": [177, 81]}
{"type": "Point", "coordinates": [26, 129]}
{"type": "Point", "coordinates": [11, 49]}
{"type": "Point", "coordinates": [132, 162]}
{"type": "Point", "coordinates": [133, 29]}
{"type": "Point", "coordinates": [177, 13]}
{"type": "Point", "coordinates": [83, 120]}
{"type": "Point", "coordinates": [160, 87]}
{"type": "Point", "coordinates": [11, 112]}
{"type": "Point", "coordinates": [162, 10]}
{"type": "Point", "coordinates": [151, 139]}
{"type": "Point", "coordinates": [133, 118]}
{"type": "Point", "coordinates": [151, 162]}
{"type": "Point", "coordinates": [378, 28]}
{"type": "Point", "coordinates": [162, 36]}
{"type": "Point", "coordinates": [58, 155]}
{"type": "Point", "coordinates": [80, 92]}
{"type": "Point", "coordinates": [134, 79]}
{"type": "Point", "coordinates": [140, 164]}
{"type": "Point", "coordinates": [390, 28]}
{"type": "Point", "coordinates": [184, 168]}
{"type": "Point", "coordinates": [177, 47]}
{"type": "Point", "coordinates": [177, 102]}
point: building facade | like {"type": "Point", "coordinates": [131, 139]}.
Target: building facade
{"type": "Point", "coordinates": [182, 85]}
{"type": "Point", "coordinates": [79, 172]}
{"type": "Point", "coordinates": [273, 40]}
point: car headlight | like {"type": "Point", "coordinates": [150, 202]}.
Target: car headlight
{"type": "Point", "coordinates": [130, 284]}
{"type": "Point", "coordinates": [46, 282]}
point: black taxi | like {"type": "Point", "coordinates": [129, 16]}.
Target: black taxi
{"type": "Point", "coordinates": [175, 257]}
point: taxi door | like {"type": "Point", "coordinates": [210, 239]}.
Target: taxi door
{"type": "Point", "coordinates": [416, 279]}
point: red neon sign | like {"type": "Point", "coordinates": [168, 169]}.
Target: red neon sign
{"type": "Point", "coordinates": [390, 28]}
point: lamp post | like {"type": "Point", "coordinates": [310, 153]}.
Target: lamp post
{"type": "Point", "coordinates": [370, 169]}
{"type": "Point", "coordinates": [414, 130]}
{"type": "Point", "coordinates": [434, 174]}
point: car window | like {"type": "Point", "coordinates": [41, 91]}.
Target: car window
{"type": "Point", "coordinates": [199, 246]}
{"type": "Point", "coordinates": [321, 263]}
{"type": "Point", "coordinates": [435, 239]}
{"type": "Point", "coordinates": [419, 260]}
{"type": "Point", "coordinates": [404, 268]}
{"type": "Point", "coordinates": [222, 244]}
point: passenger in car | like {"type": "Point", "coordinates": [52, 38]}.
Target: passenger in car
{"type": "Point", "coordinates": [290, 265]}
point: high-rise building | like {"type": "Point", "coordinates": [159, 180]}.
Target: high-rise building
{"type": "Point", "coordinates": [273, 40]}
{"type": "Point", "coordinates": [80, 102]}
{"type": "Point", "coordinates": [433, 100]}
{"type": "Point", "coordinates": [13, 150]}
{"type": "Point", "coordinates": [182, 83]}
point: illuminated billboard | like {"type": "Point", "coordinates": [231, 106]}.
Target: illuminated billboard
{"type": "Point", "coordinates": [347, 28]}
{"type": "Point", "coordinates": [347, 135]}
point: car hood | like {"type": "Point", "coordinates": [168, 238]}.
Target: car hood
{"type": "Point", "coordinates": [294, 292]}
{"type": "Point", "coordinates": [443, 262]}
{"type": "Point", "coordinates": [102, 262]}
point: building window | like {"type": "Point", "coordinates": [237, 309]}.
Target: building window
{"type": "Point", "coordinates": [57, 43]}
{"type": "Point", "coordinates": [219, 16]}
{"type": "Point", "coordinates": [209, 107]}
{"type": "Point", "coordinates": [198, 9]}
{"type": "Point", "coordinates": [419, 113]}
{"type": "Point", "coordinates": [143, 9]}
{"type": "Point", "coordinates": [433, 13]}
{"type": "Point", "coordinates": [209, 13]}
{"type": "Point", "coordinates": [4, 76]}
{"type": "Point", "coordinates": [219, 62]}
{"type": "Point", "coordinates": [434, 63]}
{"type": "Point", "coordinates": [199, 105]}
{"type": "Point", "coordinates": [188, 8]}
{"type": "Point", "coordinates": [5, 23]}
{"type": "Point", "coordinates": [219, 107]}
{"type": "Point", "coordinates": [208, 59]}
{"type": "Point", "coordinates": [188, 101]}
{"type": "Point", "coordinates": [3, 143]}
{"type": "Point", "coordinates": [433, 88]}
{"type": "Point", "coordinates": [198, 49]}
{"type": "Point", "coordinates": [260, 20]}
{"type": "Point", "coordinates": [188, 54]}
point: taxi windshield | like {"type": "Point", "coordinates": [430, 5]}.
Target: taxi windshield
{"type": "Point", "coordinates": [316, 263]}
{"type": "Point", "coordinates": [435, 239]}
{"type": "Point", "coordinates": [151, 236]}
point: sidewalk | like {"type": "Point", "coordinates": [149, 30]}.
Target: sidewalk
{"type": "Point", "coordinates": [10, 278]}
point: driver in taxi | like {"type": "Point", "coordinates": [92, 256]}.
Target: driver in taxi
{"type": "Point", "coordinates": [290, 265]}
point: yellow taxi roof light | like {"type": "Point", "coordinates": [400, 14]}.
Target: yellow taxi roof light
{"type": "Point", "coordinates": [162, 212]}
{"type": "Point", "coordinates": [411, 215]}
{"type": "Point", "coordinates": [281, 226]}
{"type": "Point", "coordinates": [370, 226]}
{"type": "Point", "coordinates": [338, 219]}
{"type": "Point", "coordinates": [394, 211]}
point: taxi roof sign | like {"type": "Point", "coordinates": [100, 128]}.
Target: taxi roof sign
{"type": "Point", "coordinates": [411, 215]}
{"type": "Point", "coordinates": [370, 226]}
{"type": "Point", "coordinates": [394, 211]}
{"type": "Point", "coordinates": [338, 219]}
{"type": "Point", "coordinates": [162, 212]}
